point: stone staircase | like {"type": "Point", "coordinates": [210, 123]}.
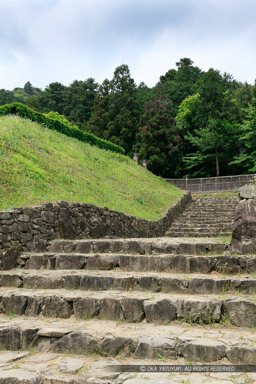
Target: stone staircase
{"type": "Point", "coordinates": [69, 313]}
{"type": "Point", "coordinates": [205, 217]}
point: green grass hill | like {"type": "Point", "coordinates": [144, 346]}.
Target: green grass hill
{"type": "Point", "coordinates": [39, 165]}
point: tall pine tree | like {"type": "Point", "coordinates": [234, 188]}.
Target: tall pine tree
{"type": "Point", "coordinates": [158, 138]}
{"type": "Point", "coordinates": [116, 111]}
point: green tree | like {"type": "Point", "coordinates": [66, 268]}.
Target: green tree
{"type": "Point", "coordinates": [207, 125]}
{"type": "Point", "coordinates": [28, 88]}
{"type": "Point", "coordinates": [6, 97]}
{"type": "Point", "coordinates": [181, 83]}
{"type": "Point", "coordinates": [158, 138]}
{"type": "Point", "coordinates": [247, 157]}
{"type": "Point", "coordinates": [144, 95]}
{"type": "Point", "coordinates": [79, 101]}
{"type": "Point", "coordinates": [100, 116]}
{"type": "Point", "coordinates": [116, 110]}
{"type": "Point", "coordinates": [54, 98]}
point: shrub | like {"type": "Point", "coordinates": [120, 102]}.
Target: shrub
{"type": "Point", "coordinates": [58, 123]}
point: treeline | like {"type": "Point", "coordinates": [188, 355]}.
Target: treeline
{"type": "Point", "coordinates": [192, 123]}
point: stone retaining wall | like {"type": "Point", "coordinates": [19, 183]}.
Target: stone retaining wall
{"type": "Point", "coordinates": [32, 228]}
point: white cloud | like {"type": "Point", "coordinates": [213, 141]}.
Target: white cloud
{"type": "Point", "coordinates": [62, 40]}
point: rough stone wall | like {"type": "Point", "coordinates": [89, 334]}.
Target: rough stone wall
{"type": "Point", "coordinates": [32, 228]}
{"type": "Point", "coordinates": [244, 233]}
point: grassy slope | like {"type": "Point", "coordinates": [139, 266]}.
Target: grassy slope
{"type": "Point", "coordinates": [39, 165]}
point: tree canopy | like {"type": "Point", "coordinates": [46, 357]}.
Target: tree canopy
{"type": "Point", "coordinates": [191, 123]}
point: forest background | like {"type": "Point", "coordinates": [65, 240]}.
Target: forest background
{"type": "Point", "coordinates": [190, 124]}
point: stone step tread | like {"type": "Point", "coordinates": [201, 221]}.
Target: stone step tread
{"type": "Point", "coordinates": [210, 208]}
{"type": "Point", "coordinates": [138, 245]}
{"type": "Point", "coordinates": [201, 210]}
{"type": "Point", "coordinates": [217, 209]}
{"type": "Point", "coordinates": [110, 338]}
{"type": "Point", "coordinates": [27, 255]}
{"type": "Point", "coordinates": [213, 204]}
{"type": "Point", "coordinates": [115, 240]}
{"type": "Point", "coordinates": [203, 231]}
{"type": "Point", "coordinates": [205, 216]}
{"type": "Point", "coordinates": [204, 223]}
{"type": "Point", "coordinates": [199, 216]}
{"type": "Point", "coordinates": [197, 231]}
{"type": "Point", "coordinates": [127, 281]}
{"type": "Point", "coordinates": [195, 228]}
{"type": "Point", "coordinates": [119, 273]}
{"type": "Point", "coordinates": [68, 294]}
{"type": "Point", "coordinates": [199, 227]}
{"type": "Point", "coordinates": [153, 307]}
{"type": "Point", "coordinates": [187, 221]}
{"type": "Point", "coordinates": [56, 368]}
{"type": "Point", "coordinates": [178, 263]}
{"type": "Point", "coordinates": [200, 234]}
{"type": "Point", "coordinates": [44, 368]}
{"type": "Point", "coordinates": [213, 213]}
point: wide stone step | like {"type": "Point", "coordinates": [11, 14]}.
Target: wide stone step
{"type": "Point", "coordinates": [207, 217]}
{"type": "Point", "coordinates": [197, 234]}
{"type": "Point", "coordinates": [128, 306]}
{"type": "Point", "coordinates": [140, 263]}
{"type": "Point", "coordinates": [213, 203]}
{"type": "Point", "coordinates": [128, 281]}
{"type": "Point", "coordinates": [204, 220]}
{"type": "Point", "coordinates": [203, 224]}
{"type": "Point", "coordinates": [139, 341]}
{"type": "Point", "coordinates": [202, 227]}
{"type": "Point", "coordinates": [206, 232]}
{"type": "Point", "coordinates": [219, 208]}
{"type": "Point", "coordinates": [51, 368]}
{"type": "Point", "coordinates": [139, 246]}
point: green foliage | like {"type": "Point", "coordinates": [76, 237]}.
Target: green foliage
{"type": "Point", "coordinates": [247, 156]}
{"type": "Point", "coordinates": [208, 129]}
{"type": "Point", "coordinates": [158, 138]}
{"type": "Point", "coordinates": [28, 88]}
{"type": "Point", "coordinates": [6, 97]}
{"type": "Point", "coordinates": [39, 165]}
{"type": "Point", "coordinates": [116, 111]}
{"type": "Point", "coordinates": [181, 83]}
{"type": "Point", "coordinates": [53, 98]}
{"type": "Point", "coordinates": [56, 116]}
{"type": "Point", "coordinates": [58, 124]}
{"type": "Point", "coordinates": [208, 106]}
{"type": "Point", "coordinates": [80, 96]}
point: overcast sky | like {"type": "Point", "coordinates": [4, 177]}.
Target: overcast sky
{"type": "Point", "coordinates": [44, 41]}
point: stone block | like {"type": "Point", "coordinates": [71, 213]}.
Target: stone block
{"type": "Point", "coordinates": [152, 347]}
{"type": "Point", "coordinates": [86, 308]}
{"type": "Point", "coordinates": [240, 312]}
{"type": "Point", "coordinates": [55, 306]}
{"type": "Point", "coordinates": [160, 311]}
{"type": "Point", "coordinates": [114, 345]}
{"type": "Point", "coordinates": [10, 257]}
{"type": "Point", "coordinates": [110, 309]}
{"type": "Point", "coordinates": [76, 342]}
{"type": "Point", "coordinates": [133, 309]}
{"type": "Point", "coordinates": [195, 310]}
{"type": "Point", "coordinates": [203, 350]}
{"type": "Point", "coordinates": [15, 305]}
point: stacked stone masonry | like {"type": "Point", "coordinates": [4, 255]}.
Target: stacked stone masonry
{"type": "Point", "coordinates": [69, 311]}
{"type": "Point", "coordinates": [33, 227]}
{"type": "Point", "coordinates": [206, 217]}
